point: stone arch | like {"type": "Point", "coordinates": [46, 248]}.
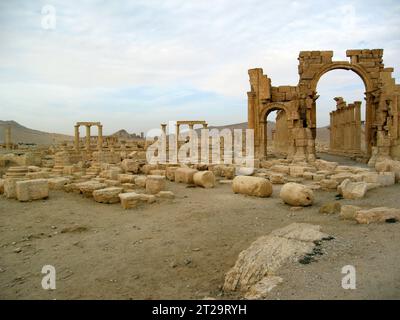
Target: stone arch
{"type": "Point", "coordinates": [370, 86]}
{"type": "Point", "coordinates": [263, 123]}
{"type": "Point", "coordinates": [382, 102]}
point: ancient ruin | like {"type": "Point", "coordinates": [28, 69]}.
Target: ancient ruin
{"type": "Point", "coordinates": [102, 204]}
{"type": "Point", "coordinates": [382, 129]}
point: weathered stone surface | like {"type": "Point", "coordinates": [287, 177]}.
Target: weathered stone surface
{"type": "Point", "coordinates": [330, 208]}
{"type": "Point", "coordinates": [157, 172]}
{"type": "Point", "coordinates": [166, 195]}
{"type": "Point", "coordinates": [10, 187]}
{"type": "Point", "coordinates": [87, 188]}
{"type": "Point", "coordinates": [107, 195]}
{"type": "Point", "coordinates": [261, 289]}
{"type": "Point", "coordinates": [58, 183]}
{"type": "Point", "coordinates": [155, 184]}
{"type": "Point", "coordinates": [129, 165]}
{"type": "Point", "coordinates": [379, 215]}
{"type": "Point", "coordinates": [32, 189]}
{"type": "Point", "coordinates": [170, 173]}
{"type": "Point", "coordinates": [228, 172]}
{"type": "Point", "coordinates": [325, 165]}
{"type": "Point", "coordinates": [148, 167]}
{"type": "Point", "coordinates": [148, 198]}
{"type": "Point", "coordinates": [205, 179]}
{"type": "Point", "coordinates": [296, 194]}
{"type": "Point", "coordinates": [252, 186]}
{"type": "Point", "coordinates": [140, 181]}
{"type": "Point", "coordinates": [185, 175]}
{"type": "Point", "coordinates": [348, 212]}
{"type": "Point", "coordinates": [1, 186]}
{"type": "Point", "coordinates": [389, 166]}
{"type": "Point", "coordinates": [280, 168]}
{"type": "Point", "coordinates": [130, 200]}
{"type": "Point", "coordinates": [277, 178]}
{"type": "Point", "coordinates": [328, 184]}
{"type": "Point", "coordinates": [268, 253]}
{"type": "Point", "coordinates": [352, 190]}
{"type": "Point", "coordinates": [126, 178]}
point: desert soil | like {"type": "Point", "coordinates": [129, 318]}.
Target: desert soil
{"type": "Point", "coordinates": [182, 248]}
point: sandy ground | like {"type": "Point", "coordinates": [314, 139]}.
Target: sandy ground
{"type": "Point", "coordinates": [182, 248]}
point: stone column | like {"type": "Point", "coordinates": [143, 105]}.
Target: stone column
{"type": "Point", "coordinates": [100, 137]}
{"type": "Point", "coordinates": [164, 128]}
{"type": "Point", "coordinates": [350, 130]}
{"type": "Point", "coordinates": [357, 119]}
{"type": "Point", "coordinates": [87, 137]}
{"type": "Point", "coordinates": [7, 137]}
{"type": "Point", "coordinates": [76, 141]}
{"type": "Point", "coordinates": [205, 125]}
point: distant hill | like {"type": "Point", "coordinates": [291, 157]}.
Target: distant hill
{"type": "Point", "coordinates": [21, 134]}
{"type": "Point", "coordinates": [123, 134]}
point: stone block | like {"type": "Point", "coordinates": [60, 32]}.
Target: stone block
{"type": "Point", "coordinates": [107, 195]}
{"type": "Point", "coordinates": [32, 190]}
{"type": "Point", "coordinates": [155, 184]}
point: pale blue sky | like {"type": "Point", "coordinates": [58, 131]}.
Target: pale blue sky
{"type": "Point", "coordinates": [134, 64]}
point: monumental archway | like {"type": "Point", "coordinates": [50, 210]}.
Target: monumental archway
{"type": "Point", "coordinates": [382, 102]}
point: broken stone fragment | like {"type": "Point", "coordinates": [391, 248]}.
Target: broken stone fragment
{"type": "Point", "coordinates": [252, 186]}
{"type": "Point", "coordinates": [155, 184]}
{"type": "Point", "coordinates": [296, 194]}
{"type": "Point", "coordinates": [330, 208]}
{"type": "Point", "coordinates": [380, 214]}
{"type": "Point", "coordinates": [352, 190]}
{"type": "Point", "coordinates": [107, 195]}
{"type": "Point", "coordinates": [185, 175]}
{"type": "Point", "coordinates": [205, 179]}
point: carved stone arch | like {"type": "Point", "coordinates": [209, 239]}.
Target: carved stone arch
{"type": "Point", "coordinates": [344, 65]}
{"type": "Point", "coordinates": [265, 111]}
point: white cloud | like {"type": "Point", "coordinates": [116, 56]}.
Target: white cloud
{"type": "Point", "coordinates": [100, 48]}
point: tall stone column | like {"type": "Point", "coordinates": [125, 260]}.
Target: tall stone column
{"type": "Point", "coordinates": [164, 128]}
{"type": "Point", "coordinates": [7, 137]}
{"type": "Point", "coordinates": [351, 126]}
{"type": "Point", "coordinates": [76, 141]}
{"type": "Point", "coordinates": [88, 137]}
{"type": "Point", "coordinates": [100, 137]}
{"type": "Point", "coordinates": [357, 118]}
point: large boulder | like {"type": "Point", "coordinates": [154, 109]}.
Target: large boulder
{"type": "Point", "coordinates": [32, 189]}
{"type": "Point", "coordinates": [205, 179]}
{"type": "Point", "coordinates": [296, 194]}
{"type": "Point", "coordinates": [268, 254]}
{"type": "Point", "coordinates": [185, 175]}
{"type": "Point", "coordinates": [352, 190]}
{"type": "Point", "coordinates": [252, 186]}
{"type": "Point", "coordinates": [155, 184]}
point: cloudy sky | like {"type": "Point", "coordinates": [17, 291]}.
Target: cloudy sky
{"type": "Point", "coordinates": [134, 64]}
